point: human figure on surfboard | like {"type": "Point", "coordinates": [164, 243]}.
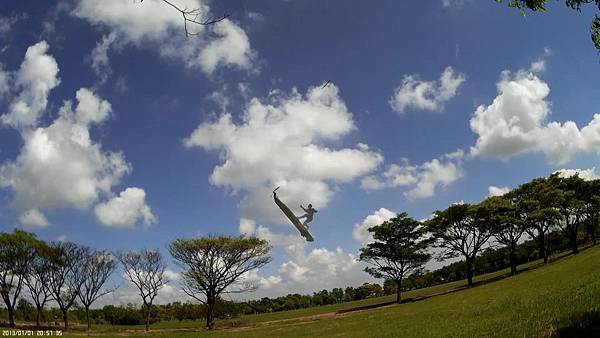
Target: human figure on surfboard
{"type": "Point", "coordinates": [308, 215]}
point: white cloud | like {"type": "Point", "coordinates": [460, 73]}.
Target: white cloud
{"type": "Point", "coordinates": [59, 165]}
{"type": "Point", "coordinates": [423, 179]}
{"type": "Point", "coordinates": [497, 191]}
{"type": "Point", "coordinates": [154, 23]}
{"type": "Point", "coordinates": [98, 58]}
{"type": "Point", "coordinates": [280, 143]}
{"type": "Point", "coordinates": [426, 95]}
{"type": "Point", "coordinates": [361, 231]}
{"type": "Point", "coordinates": [125, 210]}
{"type": "Point", "coordinates": [516, 123]}
{"type": "Point", "coordinates": [35, 79]}
{"type": "Point", "coordinates": [33, 217]}
{"type": "Point", "coordinates": [307, 272]}
{"type": "Point", "coordinates": [586, 174]}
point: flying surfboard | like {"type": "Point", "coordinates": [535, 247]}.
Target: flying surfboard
{"type": "Point", "coordinates": [290, 215]}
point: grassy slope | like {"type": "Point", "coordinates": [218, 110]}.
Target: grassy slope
{"type": "Point", "coordinates": [541, 302]}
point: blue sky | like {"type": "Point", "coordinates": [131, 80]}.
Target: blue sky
{"type": "Point", "coordinates": [387, 132]}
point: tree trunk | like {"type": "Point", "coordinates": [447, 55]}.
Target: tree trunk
{"type": "Point", "coordinates": [66, 318]}
{"type": "Point", "coordinates": [11, 316]}
{"type": "Point", "coordinates": [210, 308]}
{"type": "Point", "coordinates": [542, 247]}
{"type": "Point", "coordinates": [513, 259]}
{"type": "Point", "coordinates": [147, 317]}
{"type": "Point", "coordinates": [37, 317]}
{"type": "Point", "coordinates": [87, 317]}
{"type": "Point", "coordinates": [469, 272]}
{"type": "Point", "coordinates": [398, 298]}
{"type": "Point", "coordinates": [573, 240]}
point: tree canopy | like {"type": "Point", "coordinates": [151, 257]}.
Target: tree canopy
{"type": "Point", "coordinates": [216, 264]}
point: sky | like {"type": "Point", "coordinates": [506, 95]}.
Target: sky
{"type": "Point", "coordinates": [119, 132]}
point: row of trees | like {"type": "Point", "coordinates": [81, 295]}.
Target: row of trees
{"type": "Point", "coordinates": [67, 273]}
{"type": "Point", "coordinates": [536, 209]}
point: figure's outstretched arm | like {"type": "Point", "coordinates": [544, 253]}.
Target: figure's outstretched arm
{"type": "Point", "coordinates": [303, 208]}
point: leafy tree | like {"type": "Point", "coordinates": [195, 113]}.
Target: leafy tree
{"type": "Point", "coordinates": [215, 265]}
{"type": "Point", "coordinates": [398, 249]}
{"type": "Point", "coordinates": [17, 252]}
{"type": "Point", "coordinates": [66, 274]}
{"type": "Point", "coordinates": [99, 266]}
{"type": "Point", "coordinates": [571, 206]}
{"type": "Point", "coordinates": [537, 204]}
{"type": "Point", "coordinates": [146, 270]}
{"type": "Point", "coordinates": [37, 280]}
{"type": "Point", "coordinates": [508, 227]}
{"type": "Point", "coordinates": [591, 200]}
{"type": "Point", "coordinates": [540, 6]}
{"type": "Point", "coordinates": [461, 229]}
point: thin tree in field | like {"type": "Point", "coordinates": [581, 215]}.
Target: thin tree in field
{"type": "Point", "coordinates": [17, 251]}
{"type": "Point", "coordinates": [37, 281]}
{"type": "Point", "coordinates": [146, 271]}
{"type": "Point", "coordinates": [508, 226]}
{"type": "Point", "coordinates": [461, 229]}
{"type": "Point", "coordinates": [398, 250]}
{"type": "Point", "coordinates": [217, 265]}
{"type": "Point", "coordinates": [97, 270]}
{"type": "Point", "coordinates": [66, 274]}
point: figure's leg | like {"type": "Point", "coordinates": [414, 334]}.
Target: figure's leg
{"type": "Point", "coordinates": [303, 216]}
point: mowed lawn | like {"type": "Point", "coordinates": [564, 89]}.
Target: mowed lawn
{"type": "Point", "coordinates": [547, 301]}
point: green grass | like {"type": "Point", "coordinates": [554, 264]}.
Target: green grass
{"type": "Point", "coordinates": [561, 298]}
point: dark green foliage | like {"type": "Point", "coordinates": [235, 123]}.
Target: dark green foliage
{"type": "Point", "coordinates": [462, 229]}
{"type": "Point", "coordinates": [398, 249]}
{"type": "Point", "coordinates": [17, 251]}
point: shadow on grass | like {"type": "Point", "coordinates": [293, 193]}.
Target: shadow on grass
{"type": "Point", "coordinates": [583, 324]}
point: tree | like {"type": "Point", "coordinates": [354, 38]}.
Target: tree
{"type": "Point", "coordinates": [591, 200]}
{"type": "Point", "coordinates": [37, 280]}
{"type": "Point", "coordinates": [216, 264]}
{"type": "Point", "coordinates": [66, 274]}
{"type": "Point", "coordinates": [146, 270]}
{"type": "Point", "coordinates": [398, 249]}
{"type": "Point", "coordinates": [571, 206]}
{"type": "Point", "coordinates": [17, 251]}
{"type": "Point", "coordinates": [461, 229]}
{"type": "Point", "coordinates": [540, 6]}
{"type": "Point", "coordinates": [507, 224]}
{"type": "Point", "coordinates": [99, 266]}
{"type": "Point", "coordinates": [537, 203]}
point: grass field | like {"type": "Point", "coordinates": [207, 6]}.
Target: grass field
{"type": "Point", "coordinates": [552, 300]}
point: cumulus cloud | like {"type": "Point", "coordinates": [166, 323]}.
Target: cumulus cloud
{"type": "Point", "coordinates": [280, 142]}
{"type": "Point", "coordinates": [516, 122]}
{"type": "Point", "coordinates": [153, 23]}
{"type": "Point", "coordinates": [586, 174]}
{"type": "Point", "coordinates": [497, 191]}
{"type": "Point", "coordinates": [36, 77]}
{"type": "Point", "coordinates": [33, 217]}
{"type": "Point", "coordinates": [361, 230]}
{"type": "Point", "coordinates": [424, 178]}
{"type": "Point", "coordinates": [307, 271]}
{"type": "Point", "coordinates": [59, 165]}
{"type": "Point", "coordinates": [125, 210]}
{"type": "Point", "coordinates": [426, 95]}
